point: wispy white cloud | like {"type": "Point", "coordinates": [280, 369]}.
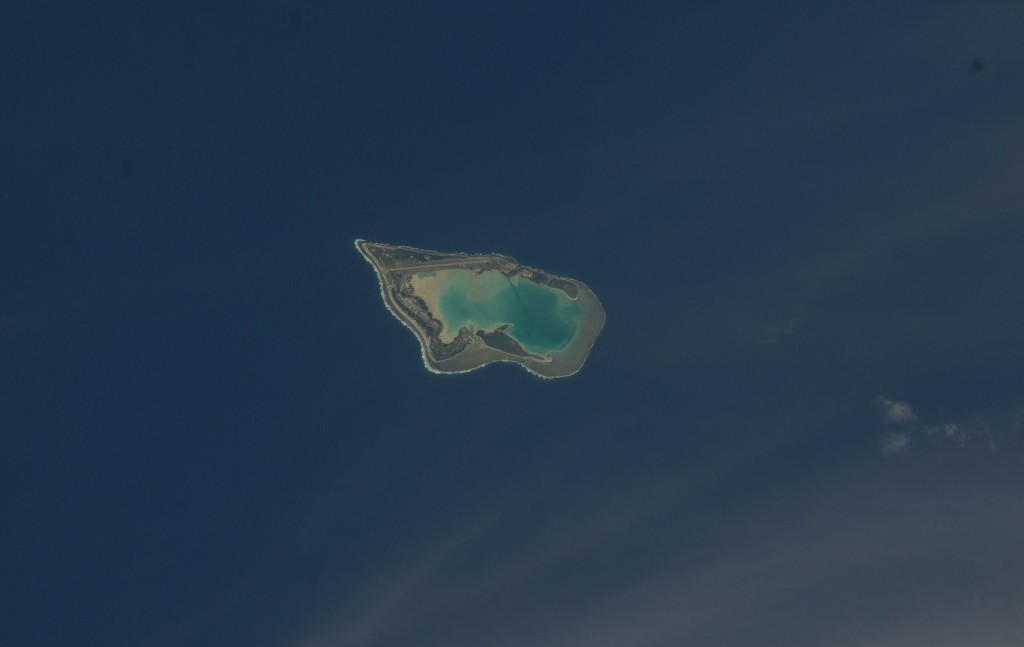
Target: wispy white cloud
{"type": "Point", "coordinates": [895, 442]}
{"type": "Point", "coordinates": [903, 424]}
{"type": "Point", "coordinates": [895, 412]}
{"type": "Point", "coordinates": [948, 430]}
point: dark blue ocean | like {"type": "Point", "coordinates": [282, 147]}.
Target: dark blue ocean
{"type": "Point", "coordinates": [801, 425]}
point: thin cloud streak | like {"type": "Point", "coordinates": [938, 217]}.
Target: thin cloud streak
{"type": "Point", "coordinates": [855, 556]}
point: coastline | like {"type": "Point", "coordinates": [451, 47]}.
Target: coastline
{"type": "Point", "coordinates": [480, 357]}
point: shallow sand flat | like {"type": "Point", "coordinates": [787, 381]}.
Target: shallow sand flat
{"type": "Point", "coordinates": [480, 287]}
{"type": "Point", "coordinates": [540, 318]}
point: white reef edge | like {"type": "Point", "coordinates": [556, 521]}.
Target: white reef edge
{"type": "Point", "coordinates": [419, 338]}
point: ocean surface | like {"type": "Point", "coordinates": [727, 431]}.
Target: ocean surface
{"type": "Point", "coordinates": [801, 425]}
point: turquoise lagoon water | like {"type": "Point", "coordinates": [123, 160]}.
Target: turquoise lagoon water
{"type": "Point", "coordinates": [543, 320]}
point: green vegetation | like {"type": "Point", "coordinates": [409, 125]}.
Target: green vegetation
{"type": "Point", "coordinates": [500, 341]}
{"type": "Point", "coordinates": [565, 286]}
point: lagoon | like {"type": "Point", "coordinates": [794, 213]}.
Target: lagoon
{"type": "Point", "coordinates": [540, 318]}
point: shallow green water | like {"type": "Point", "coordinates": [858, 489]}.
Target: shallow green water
{"type": "Point", "coordinates": [543, 320]}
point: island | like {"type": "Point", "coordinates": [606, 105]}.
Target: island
{"type": "Point", "coordinates": [469, 310]}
